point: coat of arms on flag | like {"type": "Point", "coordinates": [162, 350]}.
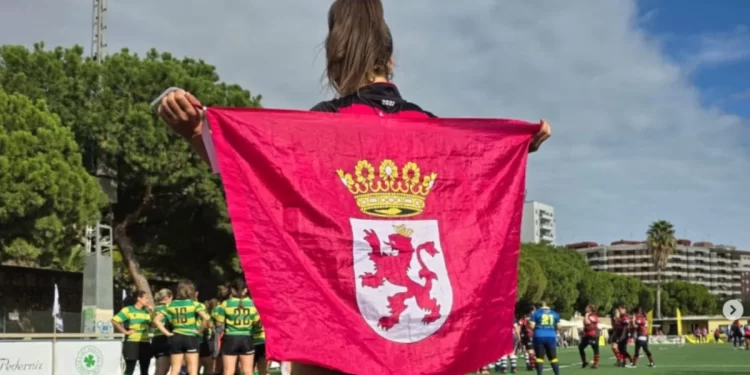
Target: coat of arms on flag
{"type": "Point", "coordinates": [403, 288]}
{"type": "Point", "coordinates": [372, 251]}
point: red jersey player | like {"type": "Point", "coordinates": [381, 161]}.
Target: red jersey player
{"type": "Point", "coordinates": [622, 333]}
{"type": "Point", "coordinates": [527, 334]}
{"type": "Point", "coordinates": [590, 336]}
{"type": "Point", "coordinates": [641, 333]}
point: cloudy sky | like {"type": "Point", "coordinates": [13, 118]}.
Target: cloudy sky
{"type": "Point", "coordinates": [649, 101]}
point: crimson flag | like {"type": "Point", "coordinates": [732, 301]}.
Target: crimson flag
{"type": "Point", "coordinates": [377, 245]}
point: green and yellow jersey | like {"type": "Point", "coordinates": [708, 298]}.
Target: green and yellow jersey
{"type": "Point", "coordinates": [200, 321]}
{"type": "Point", "coordinates": [237, 321]}
{"type": "Point", "coordinates": [183, 314]}
{"type": "Point", "coordinates": [161, 309]}
{"type": "Point", "coordinates": [259, 334]}
{"type": "Point", "coordinates": [133, 319]}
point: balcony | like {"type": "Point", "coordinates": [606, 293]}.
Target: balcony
{"type": "Point", "coordinates": [546, 215]}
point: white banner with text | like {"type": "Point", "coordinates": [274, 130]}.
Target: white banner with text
{"type": "Point", "coordinates": [26, 357]}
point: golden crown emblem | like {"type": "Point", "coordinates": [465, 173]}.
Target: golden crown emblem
{"type": "Point", "coordinates": [389, 194]}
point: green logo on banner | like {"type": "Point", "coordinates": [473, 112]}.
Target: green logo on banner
{"type": "Point", "coordinates": [89, 361]}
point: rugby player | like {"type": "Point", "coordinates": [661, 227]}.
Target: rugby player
{"type": "Point", "coordinates": [590, 336]}
{"type": "Point", "coordinates": [545, 323]}
{"type": "Point", "coordinates": [527, 335]}
{"type": "Point", "coordinates": [641, 334]}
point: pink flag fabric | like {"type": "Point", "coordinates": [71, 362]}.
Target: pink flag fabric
{"type": "Point", "coordinates": [377, 245]}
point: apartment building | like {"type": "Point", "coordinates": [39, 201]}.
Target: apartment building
{"type": "Point", "coordinates": [745, 275]}
{"type": "Point", "coordinates": [538, 225]}
{"type": "Point", "coordinates": [717, 267]}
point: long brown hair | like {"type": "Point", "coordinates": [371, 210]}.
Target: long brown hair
{"type": "Point", "coordinates": [185, 290]}
{"type": "Point", "coordinates": [358, 46]}
{"type": "Point", "coordinates": [211, 305]}
{"type": "Point", "coordinates": [222, 291]}
{"type": "Point", "coordinates": [239, 289]}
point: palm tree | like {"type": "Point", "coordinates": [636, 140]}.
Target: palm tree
{"type": "Point", "coordinates": [661, 244]}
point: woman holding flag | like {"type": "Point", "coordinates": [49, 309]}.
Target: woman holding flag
{"type": "Point", "coordinates": [359, 66]}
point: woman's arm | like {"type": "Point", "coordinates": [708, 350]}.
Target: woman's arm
{"type": "Point", "coordinates": [542, 135]}
{"type": "Point", "coordinates": [205, 320]}
{"type": "Point", "coordinates": [159, 322]}
{"type": "Point", "coordinates": [118, 321]}
{"type": "Point", "coordinates": [119, 328]}
{"type": "Point", "coordinates": [178, 110]}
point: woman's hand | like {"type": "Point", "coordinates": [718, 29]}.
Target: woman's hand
{"type": "Point", "coordinates": [541, 136]}
{"type": "Point", "coordinates": [169, 334]}
{"type": "Point", "coordinates": [178, 110]}
{"type": "Point", "coordinates": [129, 332]}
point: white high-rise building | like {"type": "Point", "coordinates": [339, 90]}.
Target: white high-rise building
{"type": "Point", "coordinates": [538, 224]}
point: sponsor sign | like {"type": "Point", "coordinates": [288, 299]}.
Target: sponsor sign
{"type": "Point", "coordinates": [25, 358]}
{"type": "Point", "coordinates": [88, 357]}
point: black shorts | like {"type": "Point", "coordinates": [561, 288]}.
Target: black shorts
{"type": "Point", "coordinates": [181, 344]}
{"type": "Point", "coordinates": [590, 340]}
{"type": "Point", "coordinates": [622, 344]}
{"type": "Point", "coordinates": [260, 351]}
{"type": "Point", "coordinates": [205, 349]}
{"type": "Point", "coordinates": [545, 347]}
{"type": "Point", "coordinates": [160, 346]}
{"type": "Point", "coordinates": [136, 351]}
{"type": "Point", "coordinates": [237, 345]}
{"type": "Point", "coordinates": [526, 343]}
{"type": "Point", "coordinates": [612, 339]}
{"type": "Point", "coordinates": [641, 345]}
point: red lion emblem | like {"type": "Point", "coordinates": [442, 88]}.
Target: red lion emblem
{"type": "Point", "coordinates": [394, 269]}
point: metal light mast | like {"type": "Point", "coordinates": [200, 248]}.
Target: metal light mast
{"type": "Point", "coordinates": [98, 289]}
{"type": "Point", "coordinates": [97, 30]}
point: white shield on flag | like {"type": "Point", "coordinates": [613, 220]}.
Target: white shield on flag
{"type": "Point", "coordinates": [403, 289]}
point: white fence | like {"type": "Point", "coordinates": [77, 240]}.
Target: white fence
{"type": "Point", "coordinates": [60, 354]}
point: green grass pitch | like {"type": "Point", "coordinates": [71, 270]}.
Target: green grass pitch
{"type": "Point", "coordinates": [702, 359]}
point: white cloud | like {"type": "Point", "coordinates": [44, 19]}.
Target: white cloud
{"type": "Point", "coordinates": [710, 49]}
{"type": "Point", "coordinates": [743, 95]}
{"type": "Point", "coordinates": [632, 142]}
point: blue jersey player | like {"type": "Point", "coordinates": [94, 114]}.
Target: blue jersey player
{"type": "Point", "coordinates": [545, 321]}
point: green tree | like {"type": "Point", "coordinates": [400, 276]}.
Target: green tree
{"type": "Point", "coordinates": [661, 243]}
{"type": "Point", "coordinates": [564, 268]}
{"type": "Point", "coordinates": [531, 280]}
{"type": "Point", "coordinates": [595, 288]}
{"type": "Point", "coordinates": [46, 196]}
{"type": "Point", "coordinates": [170, 217]}
{"type": "Point", "coordinates": [625, 290]}
{"type": "Point", "coordinates": [646, 297]}
{"type": "Point", "coordinates": [690, 298]}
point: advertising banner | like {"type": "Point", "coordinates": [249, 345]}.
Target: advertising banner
{"type": "Point", "coordinates": [26, 357]}
{"type": "Point", "coordinates": [88, 357]}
